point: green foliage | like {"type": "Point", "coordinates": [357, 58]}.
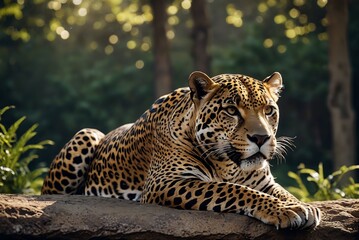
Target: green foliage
{"type": "Point", "coordinates": [16, 155]}
{"type": "Point", "coordinates": [88, 76]}
{"type": "Point", "coordinates": [326, 188]}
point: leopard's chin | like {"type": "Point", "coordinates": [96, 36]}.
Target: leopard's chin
{"type": "Point", "coordinates": [254, 162]}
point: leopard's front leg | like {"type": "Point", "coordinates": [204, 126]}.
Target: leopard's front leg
{"type": "Point", "coordinates": [263, 181]}
{"type": "Point", "coordinates": [225, 197]}
{"type": "Point", "coordinates": [314, 213]}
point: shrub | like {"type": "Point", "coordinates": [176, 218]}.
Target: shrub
{"type": "Point", "coordinates": [16, 155]}
{"type": "Point", "coordinates": [326, 188]}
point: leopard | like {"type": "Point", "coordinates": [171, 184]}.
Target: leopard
{"type": "Point", "coordinates": [207, 147]}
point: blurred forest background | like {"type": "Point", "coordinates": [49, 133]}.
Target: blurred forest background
{"type": "Point", "coordinates": [71, 64]}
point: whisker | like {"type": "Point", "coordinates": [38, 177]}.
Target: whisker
{"type": "Point", "coordinates": [205, 144]}
{"type": "Point", "coordinates": [217, 150]}
{"type": "Point", "coordinates": [283, 144]}
{"type": "Point", "coordinates": [208, 152]}
{"type": "Point", "coordinates": [286, 142]}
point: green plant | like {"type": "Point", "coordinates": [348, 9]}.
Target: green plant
{"type": "Point", "coordinates": [326, 188]}
{"type": "Point", "coordinates": [16, 155]}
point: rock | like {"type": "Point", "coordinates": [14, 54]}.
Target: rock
{"type": "Point", "coordinates": [82, 217]}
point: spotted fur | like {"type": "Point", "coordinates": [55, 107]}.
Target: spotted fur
{"type": "Point", "coordinates": [205, 147]}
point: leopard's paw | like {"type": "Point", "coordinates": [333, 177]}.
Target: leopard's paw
{"type": "Point", "coordinates": [292, 216]}
{"type": "Point", "coordinates": [298, 216]}
{"type": "Point", "coordinates": [314, 217]}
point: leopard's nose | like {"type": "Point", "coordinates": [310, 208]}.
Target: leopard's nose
{"type": "Point", "coordinates": [258, 139]}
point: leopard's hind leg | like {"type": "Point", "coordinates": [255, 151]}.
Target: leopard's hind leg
{"type": "Point", "coordinates": [69, 168]}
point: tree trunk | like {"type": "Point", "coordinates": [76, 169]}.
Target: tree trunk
{"type": "Point", "coordinates": [340, 95]}
{"type": "Point", "coordinates": [200, 34]}
{"type": "Point", "coordinates": [163, 83]}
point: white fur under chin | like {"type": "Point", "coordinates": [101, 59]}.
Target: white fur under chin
{"type": "Point", "coordinates": [253, 164]}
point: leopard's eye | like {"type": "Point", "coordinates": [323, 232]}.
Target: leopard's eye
{"type": "Point", "coordinates": [232, 111]}
{"type": "Point", "coordinates": [269, 110]}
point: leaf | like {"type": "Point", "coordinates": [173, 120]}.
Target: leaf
{"type": "Point", "coordinates": [311, 179]}
{"type": "Point", "coordinates": [46, 142]}
{"type": "Point", "coordinates": [296, 191]}
{"type": "Point", "coordinates": [294, 176]}
{"type": "Point", "coordinates": [38, 172]}
{"type": "Point", "coordinates": [11, 132]}
{"type": "Point", "coordinates": [327, 188]}
{"type": "Point", "coordinates": [299, 181]}
{"type": "Point", "coordinates": [16, 155]}
{"type": "Point", "coordinates": [320, 172]}
{"type": "Point", "coordinates": [3, 140]}
{"type": "Point", "coordinates": [3, 110]}
{"type": "Point", "coordinates": [27, 160]}
{"type": "Point", "coordinates": [314, 174]}
{"type": "Point", "coordinates": [6, 169]}
{"type": "Point", "coordinates": [353, 167]}
{"type": "Point", "coordinates": [29, 134]}
{"type": "Point", "coordinates": [301, 166]}
{"type": "Point", "coordinates": [342, 171]}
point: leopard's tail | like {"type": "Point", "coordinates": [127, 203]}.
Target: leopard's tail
{"type": "Point", "coordinates": [68, 171]}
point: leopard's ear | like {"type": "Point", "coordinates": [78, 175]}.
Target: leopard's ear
{"type": "Point", "coordinates": [201, 85]}
{"type": "Point", "coordinates": [274, 84]}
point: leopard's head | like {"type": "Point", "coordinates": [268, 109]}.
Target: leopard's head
{"type": "Point", "coordinates": [236, 117]}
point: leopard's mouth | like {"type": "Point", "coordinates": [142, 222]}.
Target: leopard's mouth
{"type": "Point", "coordinates": [236, 157]}
{"type": "Point", "coordinates": [255, 157]}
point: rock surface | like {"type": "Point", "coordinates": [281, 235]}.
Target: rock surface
{"type": "Point", "coordinates": [81, 217]}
